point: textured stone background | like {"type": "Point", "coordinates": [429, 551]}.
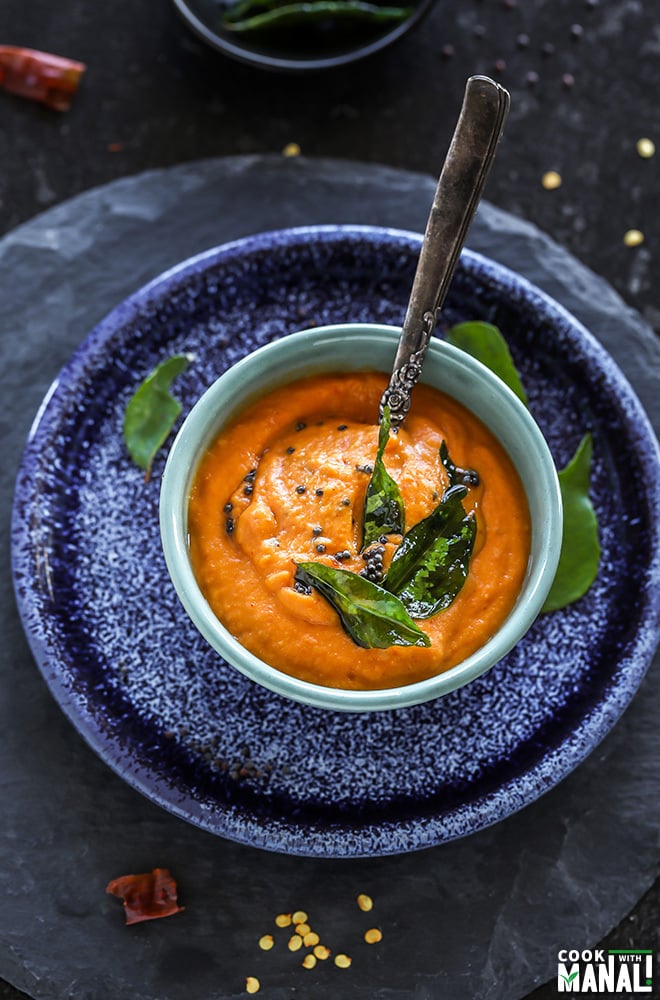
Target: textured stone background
{"type": "Point", "coordinates": [157, 93]}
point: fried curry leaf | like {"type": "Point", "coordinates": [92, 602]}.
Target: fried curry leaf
{"type": "Point", "coordinates": [431, 564]}
{"type": "Point", "coordinates": [152, 411]}
{"type": "Point", "coordinates": [372, 617]}
{"type": "Point", "coordinates": [485, 343]}
{"type": "Point", "coordinates": [580, 548]}
{"type": "Point", "coordinates": [384, 512]}
{"type": "Point", "coordinates": [457, 476]}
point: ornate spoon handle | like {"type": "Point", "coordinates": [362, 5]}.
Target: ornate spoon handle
{"type": "Point", "coordinates": [468, 162]}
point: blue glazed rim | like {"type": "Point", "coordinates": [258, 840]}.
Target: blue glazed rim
{"type": "Point", "coordinates": [286, 835]}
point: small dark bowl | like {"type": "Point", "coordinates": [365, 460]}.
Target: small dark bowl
{"type": "Point", "coordinates": [301, 50]}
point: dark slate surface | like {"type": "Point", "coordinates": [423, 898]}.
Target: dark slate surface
{"type": "Point", "coordinates": [482, 917]}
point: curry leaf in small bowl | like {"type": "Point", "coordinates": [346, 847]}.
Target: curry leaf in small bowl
{"type": "Point", "coordinates": [431, 564]}
{"type": "Point", "coordinates": [384, 512]}
{"type": "Point", "coordinates": [372, 617]}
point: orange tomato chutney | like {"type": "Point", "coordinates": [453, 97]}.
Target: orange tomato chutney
{"type": "Point", "coordinates": [285, 483]}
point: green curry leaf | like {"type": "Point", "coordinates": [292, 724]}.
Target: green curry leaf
{"type": "Point", "coordinates": [457, 476]}
{"type": "Point", "coordinates": [431, 564]}
{"type": "Point", "coordinates": [384, 512]}
{"type": "Point", "coordinates": [372, 617]}
{"type": "Point", "coordinates": [580, 548]}
{"type": "Point", "coordinates": [485, 343]}
{"type": "Point", "coordinates": [152, 411]}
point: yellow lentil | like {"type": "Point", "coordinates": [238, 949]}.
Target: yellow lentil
{"type": "Point", "coordinates": [551, 180]}
{"type": "Point", "coordinates": [295, 942]}
{"type": "Point", "coordinates": [266, 942]}
{"type": "Point", "coordinates": [365, 902]}
{"type": "Point", "coordinates": [645, 148]}
{"type": "Point", "coordinates": [283, 919]}
{"type": "Point", "coordinates": [322, 952]}
{"type": "Point", "coordinates": [303, 929]}
{"type": "Point", "coordinates": [633, 238]}
{"type": "Point", "coordinates": [308, 962]}
{"type": "Point", "coordinates": [310, 939]}
{"type": "Point", "coordinates": [299, 917]}
{"type": "Point", "coordinates": [252, 985]}
{"type": "Point", "coordinates": [373, 935]}
{"type": "Point", "coordinates": [343, 961]}
{"type": "Point", "coordinates": [291, 149]}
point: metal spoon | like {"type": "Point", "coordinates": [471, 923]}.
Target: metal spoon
{"type": "Point", "coordinates": [471, 154]}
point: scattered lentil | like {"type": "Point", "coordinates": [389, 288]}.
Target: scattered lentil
{"type": "Point", "coordinates": [310, 939]}
{"type": "Point", "coordinates": [291, 149]}
{"type": "Point", "coordinates": [322, 952]}
{"type": "Point", "coordinates": [532, 78]}
{"type": "Point", "coordinates": [283, 919]}
{"type": "Point", "coordinates": [365, 902]}
{"type": "Point", "coordinates": [343, 961]}
{"type": "Point", "coordinates": [295, 942]}
{"type": "Point", "coordinates": [522, 40]}
{"type": "Point", "coordinates": [299, 917]}
{"type": "Point", "coordinates": [447, 51]}
{"type": "Point", "coordinates": [252, 984]}
{"type": "Point", "coordinates": [567, 81]}
{"type": "Point", "coordinates": [303, 929]}
{"type": "Point", "coordinates": [373, 935]}
{"type": "Point", "coordinates": [308, 962]}
{"type": "Point", "coordinates": [577, 31]}
{"type": "Point", "coordinates": [266, 942]}
{"type": "Point", "coordinates": [645, 148]}
{"type": "Point", "coordinates": [551, 180]}
{"type": "Point", "coordinates": [633, 238]}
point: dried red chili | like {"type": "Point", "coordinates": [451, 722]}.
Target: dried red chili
{"type": "Point", "coordinates": [147, 896]}
{"type": "Point", "coordinates": [52, 80]}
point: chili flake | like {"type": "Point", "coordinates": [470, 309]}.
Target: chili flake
{"type": "Point", "coordinates": [147, 896]}
{"type": "Point", "coordinates": [40, 76]}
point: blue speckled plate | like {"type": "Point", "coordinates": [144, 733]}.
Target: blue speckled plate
{"type": "Point", "coordinates": [195, 736]}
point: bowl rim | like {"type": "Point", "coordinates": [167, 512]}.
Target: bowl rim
{"type": "Point", "coordinates": [198, 430]}
{"type": "Point", "coordinates": [290, 65]}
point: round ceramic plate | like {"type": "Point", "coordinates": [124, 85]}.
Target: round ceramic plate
{"type": "Point", "coordinates": [194, 735]}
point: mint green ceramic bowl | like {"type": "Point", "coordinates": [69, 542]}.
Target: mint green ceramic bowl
{"type": "Point", "coordinates": [355, 347]}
